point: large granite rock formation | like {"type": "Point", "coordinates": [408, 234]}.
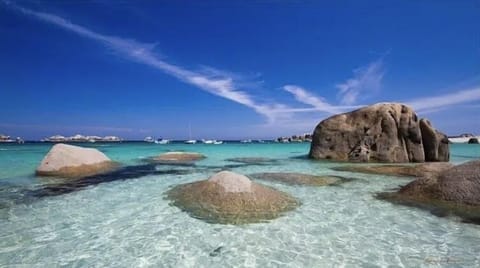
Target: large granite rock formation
{"type": "Point", "coordinates": [383, 132]}
{"type": "Point", "coordinates": [231, 198]}
{"type": "Point", "coordinates": [454, 191]}
{"type": "Point", "coordinates": [73, 161]}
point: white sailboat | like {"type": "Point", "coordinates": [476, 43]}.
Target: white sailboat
{"type": "Point", "coordinates": [190, 141]}
{"type": "Point", "coordinates": [149, 139]}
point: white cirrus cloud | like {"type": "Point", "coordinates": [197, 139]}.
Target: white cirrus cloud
{"type": "Point", "coordinates": [318, 103]}
{"type": "Point", "coordinates": [365, 80]}
{"type": "Point", "coordinates": [436, 103]}
{"type": "Point", "coordinates": [216, 82]}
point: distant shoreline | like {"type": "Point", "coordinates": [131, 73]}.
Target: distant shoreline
{"type": "Point", "coordinates": [139, 141]}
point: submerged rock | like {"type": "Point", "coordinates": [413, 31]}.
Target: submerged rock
{"type": "Point", "coordinates": [230, 198]}
{"type": "Point", "coordinates": [124, 173]}
{"type": "Point", "coordinates": [384, 132]}
{"type": "Point", "coordinates": [73, 161]}
{"type": "Point", "coordinates": [454, 191]}
{"type": "Point", "coordinates": [299, 178]}
{"type": "Point", "coordinates": [411, 170]}
{"type": "Point", "coordinates": [178, 158]}
{"type": "Point", "coordinates": [251, 160]}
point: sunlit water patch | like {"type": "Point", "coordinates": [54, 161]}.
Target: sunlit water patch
{"type": "Point", "coordinates": [130, 223]}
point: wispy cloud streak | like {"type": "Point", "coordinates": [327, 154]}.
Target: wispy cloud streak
{"type": "Point", "coordinates": [443, 101]}
{"type": "Point", "coordinates": [217, 83]}
{"type": "Point", "coordinates": [365, 80]}
{"type": "Point", "coordinates": [318, 103]}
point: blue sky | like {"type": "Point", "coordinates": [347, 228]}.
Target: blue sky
{"type": "Point", "coordinates": [258, 69]}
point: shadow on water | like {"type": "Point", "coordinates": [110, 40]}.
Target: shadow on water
{"type": "Point", "coordinates": [15, 194]}
{"type": "Point", "coordinates": [301, 156]}
{"type": "Point", "coordinates": [125, 173]}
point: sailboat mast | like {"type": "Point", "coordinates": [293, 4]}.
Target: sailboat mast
{"type": "Point", "coordinates": [189, 131]}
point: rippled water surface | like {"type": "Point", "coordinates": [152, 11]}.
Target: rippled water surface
{"type": "Point", "coordinates": [127, 222]}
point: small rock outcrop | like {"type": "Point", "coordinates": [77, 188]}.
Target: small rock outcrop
{"type": "Point", "coordinates": [384, 132]}
{"type": "Point", "coordinates": [454, 191]}
{"type": "Point", "coordinates": [230, 198]}
{"type": "Point", "coordinates": [178, 158]}
{"type": "Point", "coordinates": [410, 170]}
{"type": "Point", "coordinates": [299, 178]}
{"type": "Point", "coordinates": [251, 160]}
{"type": "Point", "coordinates": [73, 161]}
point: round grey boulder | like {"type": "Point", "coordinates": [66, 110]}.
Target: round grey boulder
{"type": "Point", "coordinates": [231, 198]}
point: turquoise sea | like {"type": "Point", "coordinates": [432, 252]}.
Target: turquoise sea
{"type": "Point", "coordinates": [127, 222]}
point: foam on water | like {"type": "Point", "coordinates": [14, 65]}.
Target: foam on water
{"type": "Point", "coordinates": [129, 223]}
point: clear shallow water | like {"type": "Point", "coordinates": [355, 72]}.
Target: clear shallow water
{"type": "Point", "coordinates": [128, 223]}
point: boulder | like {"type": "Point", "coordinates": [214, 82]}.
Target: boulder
{"type": "Point", "coordinates": [73, 161]}
{"type": "Point", "coordinates": [410, 170]}
{"type": "Point", "coordinates": [454, 191]}
{"type": "Point", "coordinates": [178, 158]}
{"type": "Point", "coordinates": [383, 132]}
{"type": "Point", "coordinates": [460, 184]}
{"type": "Point", "coordinates": [230, 198]}
{"type": "Point", "coordinates": [299, 178]}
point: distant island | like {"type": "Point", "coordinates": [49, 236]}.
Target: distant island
{"type": "Point", "coordinates": [306, 137]}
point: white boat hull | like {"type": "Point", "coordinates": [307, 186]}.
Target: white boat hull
{"type": "Point", "coordinates": [462, 139]}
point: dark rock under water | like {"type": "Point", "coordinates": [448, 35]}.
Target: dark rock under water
{"type": "Point", "coordinates": [252, 160]}
{"type": "Point", "coordinates": [216, 251]}
{"type": "Point", "coordinates": [299, 178]}
{"type": "Point", "coordinates": [125, 173]}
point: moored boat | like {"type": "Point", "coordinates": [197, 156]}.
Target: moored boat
{"type": "Point", "coordinates": [149, 139]}
{"type": "Point", "coordinates": [464, 138]}
{"type": "Point", "coordinates": [162, 141]}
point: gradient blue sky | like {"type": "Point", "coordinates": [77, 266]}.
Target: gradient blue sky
{"type": "Point", "coordinates": [258, 69]}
